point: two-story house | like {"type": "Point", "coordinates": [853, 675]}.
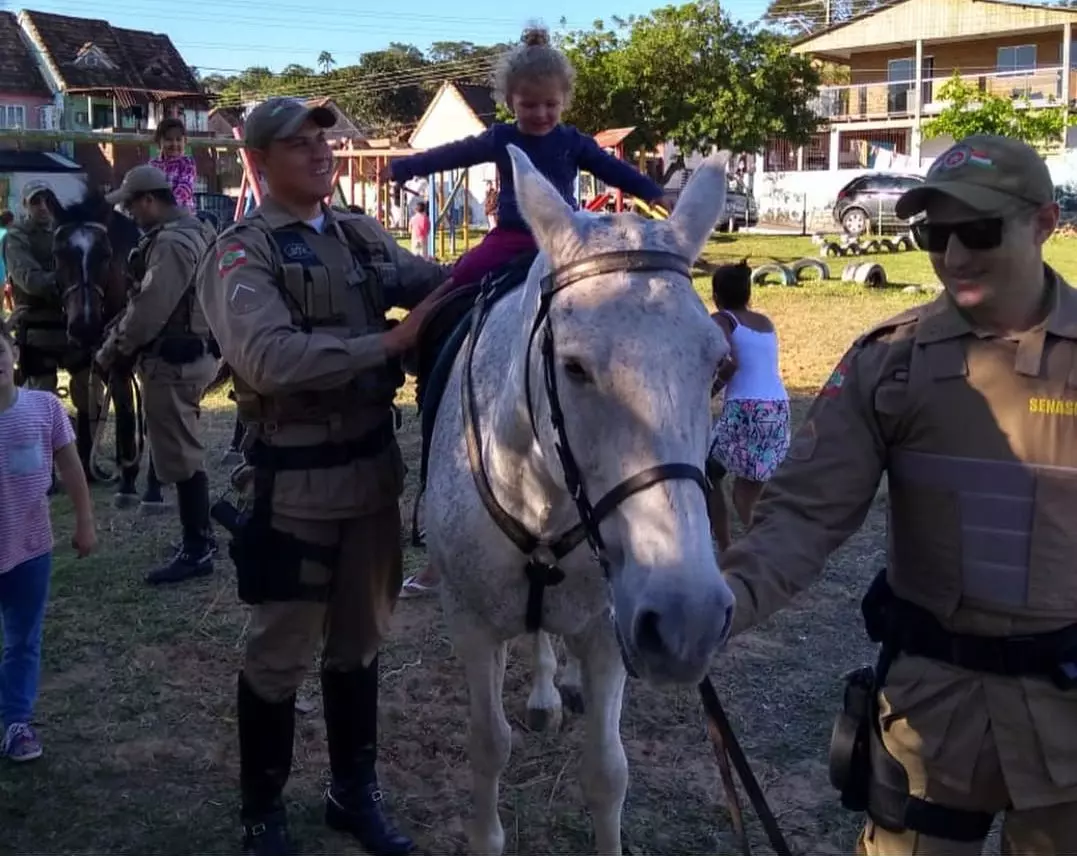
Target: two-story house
{"type": "Point", "coordinates": [896, 60]}
{"type": "Point", "coordinates": [108, 77]}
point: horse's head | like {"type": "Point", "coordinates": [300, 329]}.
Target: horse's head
{"type": "Point", "coordinates": [627, 358]}
{"type": "Point", "coordinates": [90, 245]}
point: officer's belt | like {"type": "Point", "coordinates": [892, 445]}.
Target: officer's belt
{"type": "Point", "coordinates": [905, 628]}
{"type": "Point", "coordinates": [299, 406]}
{"type": "Point", "coordinates": [322, 456]}
{"type": "Point", "coordinates": [180, 348]}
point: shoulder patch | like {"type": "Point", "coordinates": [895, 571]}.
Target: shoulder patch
{"type": "Point", "coordinates": [244, 299]}
{"type": "Point", "coordinates": [231, 256]}
{"type": "Point", "coordinates": [834, 383]}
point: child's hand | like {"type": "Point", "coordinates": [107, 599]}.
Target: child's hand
{"type": "Point", "coordinates": [85, 538]}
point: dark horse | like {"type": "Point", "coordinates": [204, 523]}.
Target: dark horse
{"type": "Point", "coordinates": [92, 244]}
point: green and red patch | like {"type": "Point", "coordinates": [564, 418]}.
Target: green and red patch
{"type": "Point", "coordinates": [833, 385]}
{"type": "Point", "coordinates": [231, 257]}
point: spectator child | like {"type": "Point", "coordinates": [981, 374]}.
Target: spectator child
{"type": "Point", "coordinates": [34, 431]}
{"type": "Point", "coordinates": [419, 226]}
{"type": "Point", "coordinates": [171, 136]}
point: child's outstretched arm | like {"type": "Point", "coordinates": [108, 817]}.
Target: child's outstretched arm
{"type": "Point", "coordinates": [615, 172]}
{"type": "Point", "coordinates": [470, 151]}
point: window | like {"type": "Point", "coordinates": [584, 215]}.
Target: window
{"type": "Point", "coordinates": [1017, 58]}
{"type": "Point", "coordinates": [12, 116]}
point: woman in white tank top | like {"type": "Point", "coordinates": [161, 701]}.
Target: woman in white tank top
{"type": "Point", "coordinates": [751, 434]}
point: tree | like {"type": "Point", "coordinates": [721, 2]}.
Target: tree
{"type": "Point", "coordinates": [970, 111]}
{"type": "Point", "coordinates": [391, 87]}
{"type": "Point", "coordinates": [326, 62]}
{"type": "Point", "coordinates": [692, 76]}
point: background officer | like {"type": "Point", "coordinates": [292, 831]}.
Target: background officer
{"type": "Point", "coordinates": [296, 295]}
{"type": "Point", "coordinates": [968, 404]}
{"type": "Point", "coordinates": [38, 320]}
{"type": "Point", "coordinates": [164, 327]}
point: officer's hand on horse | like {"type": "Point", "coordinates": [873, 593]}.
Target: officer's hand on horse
{"type": "Point", "coordinates": [404, 336]}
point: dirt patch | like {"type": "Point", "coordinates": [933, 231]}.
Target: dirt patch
{"type": "Point", "coordinates": [138, 716]}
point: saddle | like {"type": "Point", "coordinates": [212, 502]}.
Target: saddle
{"type": "Point", "coordinates": [439, 341]}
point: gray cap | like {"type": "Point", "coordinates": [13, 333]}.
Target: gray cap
{"type": "Point", "coordinates": [33, 187]}
{"type": "Point", "coordinates": [279, 118]}
{"type": "Point", "coordinates": [140, 179]}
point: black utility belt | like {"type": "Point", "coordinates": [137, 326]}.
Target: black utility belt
{"type": "Point", "coordinates": [322, 456]}
{"type": "Point", "coordinates": [1050, 655]}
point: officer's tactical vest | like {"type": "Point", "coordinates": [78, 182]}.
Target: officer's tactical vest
{"type": "Point", "coordinates": [40, 239]}
{"type": "Point", "coordinates": [329, 300]}
{"type": "Point", "coordinates": [39, 322]}
{"type": "Point", "coordinates": [982, 468]}
{"type": "Point", "coordinates": [187, 319]}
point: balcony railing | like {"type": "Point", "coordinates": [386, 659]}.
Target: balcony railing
{"type": "Point", "coordinates": [898, 99]}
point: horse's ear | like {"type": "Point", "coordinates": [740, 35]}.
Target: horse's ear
{"type": "Point", "coordinates": [701, 205]}
{"type": "Point", "coordinates": [539, 203]}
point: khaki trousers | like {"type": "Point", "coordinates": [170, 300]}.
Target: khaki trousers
{"type": "Point", "coordinates": [284, 637]}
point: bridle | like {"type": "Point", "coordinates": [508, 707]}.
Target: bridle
{"type": "Point", "coordinates": [84, 282]}
{"type": "Point", "coordinates": [542, 554]}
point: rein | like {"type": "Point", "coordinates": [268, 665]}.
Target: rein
{"type": "Point", "coordinates": [543, 555]}
{"type": "Point", "coordinates": [140, 434]}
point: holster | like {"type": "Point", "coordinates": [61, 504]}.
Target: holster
{"type": "Point", "coordinates": [868, 777]}
{"type": "Point", "coordinates": [269, 562]}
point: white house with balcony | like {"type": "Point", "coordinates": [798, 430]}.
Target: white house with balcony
{"type": "Point", "coordinates": [897, 59]}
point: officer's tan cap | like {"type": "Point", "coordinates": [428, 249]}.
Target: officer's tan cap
{"type": "Point", "coordinates": [995, 176]}
{"type": "Point", "coordinates": [279, 118]}
{"type": "Point", "coordinates": [32, 188]}
{"type": "Point", "coordinates": [141, 179]}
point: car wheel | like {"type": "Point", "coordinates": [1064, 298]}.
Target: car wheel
{"type": "Point", "coordinates": [855, 221]}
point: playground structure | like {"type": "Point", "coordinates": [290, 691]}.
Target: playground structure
{"type": "Point", "coordinates": [360, 173]}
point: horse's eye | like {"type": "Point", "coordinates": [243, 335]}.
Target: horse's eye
{"type": "Point", "coordinates": [575, 371]}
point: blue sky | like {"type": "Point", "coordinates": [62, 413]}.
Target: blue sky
{"type": "Point", "coordinates": [228, 35]}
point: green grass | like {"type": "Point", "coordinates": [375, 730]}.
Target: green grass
{"type": "Point", "coordinates": [137, 703]}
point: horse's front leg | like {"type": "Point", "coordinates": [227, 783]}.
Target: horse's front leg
{"type": "Point", "coordinates": [544, 711]}
{"type": "Point", "coordinates": [490, 738]}
{"type": "Point", "coordinates": [603, 767]}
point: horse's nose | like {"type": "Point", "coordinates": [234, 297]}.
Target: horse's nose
{"type": "Point", "coordinates": [679, 632]}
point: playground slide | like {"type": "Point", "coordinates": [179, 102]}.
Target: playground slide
{"type": "Point", "coordinates": [655, 212]}
{"type": "Point", "coordinates": [598, 203]}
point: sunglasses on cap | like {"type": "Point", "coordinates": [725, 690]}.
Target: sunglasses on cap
{"type": "Point", "coordinates": [984, 234]}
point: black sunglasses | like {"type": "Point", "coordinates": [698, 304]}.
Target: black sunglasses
{"type": "Point", "coordinates": [985, 234]}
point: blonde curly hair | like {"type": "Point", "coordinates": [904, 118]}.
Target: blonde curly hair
{"type": "Point", "coordinates": [533, 59]}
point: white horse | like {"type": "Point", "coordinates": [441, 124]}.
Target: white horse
{"type": "Point", "coordinates": [580, 404]}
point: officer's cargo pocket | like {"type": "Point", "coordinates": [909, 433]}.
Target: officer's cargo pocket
{"type": "Point", "coordinates": [1052, 585]}
{"type": "Point", "coordinates": [1054, 716]}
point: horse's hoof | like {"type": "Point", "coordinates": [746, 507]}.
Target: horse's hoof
{"type": "Point", "coordinates": [572, 699]}
{"type": "Point", "coordinates": [544, 719]}
{"type": "Point", "coordinates": [125, 500]}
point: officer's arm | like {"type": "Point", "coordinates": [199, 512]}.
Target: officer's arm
{"type": "Point", "coordinates": [253, 326]}
{"type": "Point", "coordinates": [26, 274]}
{"type": "Point", "coordinates": [168, 270]}
{"type": "Point", "coordinates": [416, 277]}
{"type": "Point", "coordinates": [817, 499]}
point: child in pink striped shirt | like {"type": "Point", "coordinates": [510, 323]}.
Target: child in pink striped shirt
{"type": "Point", "coordinates": [34, 431]}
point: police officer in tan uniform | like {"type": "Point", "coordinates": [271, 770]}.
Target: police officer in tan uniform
{"type": "Point", "coordinates": [296, 295]}
{"type": "Point", "coordinates": [164, 328]}
{"type": "Point", "coordinates": [40, 328]}
{"type": "Point", "coordinates": [969, 405]}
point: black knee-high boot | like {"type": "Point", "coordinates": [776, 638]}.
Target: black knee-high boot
{"type": "Point", "coordinates": [354, 801]}
{"type": "Point", "coordinates": [266, 738]}
{"type": "Point", "coordinates": [195, 556]}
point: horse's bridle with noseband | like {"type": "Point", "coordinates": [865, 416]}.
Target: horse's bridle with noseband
{"type": "Point", "coordinates": [543, 555]}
